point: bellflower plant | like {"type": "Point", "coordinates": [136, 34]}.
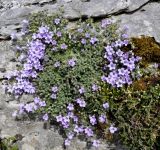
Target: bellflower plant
{"type": "Point", "coordinates": [65, 69]}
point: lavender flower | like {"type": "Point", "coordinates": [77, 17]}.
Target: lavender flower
{"type": "Point", "coordinates": [95, 87]}
{"type": "Point", "coordinates": [112, 129]}
{"type": "Point", "coordinates": [42, 103]}
{"type": "Point", "coordinates": [81, 102]}
{"type": "Point", "coordinates": [14, 114]}
{"type": "Point", "coordinates": [88, 131]}
{"type": "Point", "coordinates": [71, 62]}
{"type": "Point", "coordinates": [37, 100]}
{"type": "Point", "coordinates": [54, 96]}
{"type": "Point", "coordinates": [57, 21]}
{"type": "Point", "coordinates": [105, 22]}
{"type": "Point", "coordinates": [70, 135]}
{"type": "Point", "coordinates": [105, 105]}
{"type": "Point", "coordinates": [54, 42]}
{"type": "Point", "coordinates": [28, 107]}
{"type": "Point", "coordinates": [81, 90]}
{"type": "Point", "coordinates": [54, 89]}
{"type": "Point", "coordinates": [93, 40]}
{"type": "Point", "coordinates": [93, 120]}
{"type": "Point", "coordinates": [64, 46]}
{"type": "Point", "coordinates": [67, 142]}
{"type": "Point", "coordinates": [75, 119]}
{"type": "Point", "coordinates": [96, 143]}
{"type": "Point", "coordinates": [102, 118]}
{"type": "Point", "coordinates": [59, 118]}
{"type": "Point", "coordinates": [83, 41]}
{"type": "Point", "coordinates": [45, 117]}
{"type": "Point", "coordinates": [57, 64]}
{"type": "Point", "coordinates": [80, 30]}
{"type": "Point", "coordinates": [70, 107]}
{"type": "Point", "coordinates": [59, 34]}
{"type": "Point", "coordinates": [87, 35]}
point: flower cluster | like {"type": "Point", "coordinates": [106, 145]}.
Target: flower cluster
{"type": "Point", "coordinates": [63, 69]}
{"type": "Point", "coordinates": [119, 65]}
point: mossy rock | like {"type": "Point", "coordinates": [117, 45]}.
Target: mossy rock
{"type": "Point", "coordinates": [147, 48]}
{"type": "Point", "coordinates": [144, 83]}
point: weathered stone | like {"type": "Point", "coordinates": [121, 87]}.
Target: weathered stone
{"type": "Point", "coordinates": [27, 147]}
{"type": "Point", "coordinates": [141, 21]}
{"type": "Point", "coordinates": [144, 22]}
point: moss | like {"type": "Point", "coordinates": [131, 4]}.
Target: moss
{"type": "Point", "coordinates": [9, 143]}
{"type": "Point", "coordinates": [144, 83]}
{"type": "Point", "coordinates": [147, 48]}
{"type": "Point", "coordinates": [136, 114]}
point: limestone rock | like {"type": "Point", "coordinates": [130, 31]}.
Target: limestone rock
{"type": "Point", "coordinates": [144, 22]}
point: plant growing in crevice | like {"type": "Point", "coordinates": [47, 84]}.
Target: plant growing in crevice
{"type": "Point", "coordinates": [83, 79]}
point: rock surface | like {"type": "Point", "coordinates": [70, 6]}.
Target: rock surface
{"type": "Point", "coordinates": [141, 16]}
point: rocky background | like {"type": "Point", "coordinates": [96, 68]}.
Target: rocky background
{"type": "Point", "coordinates": [141, 16]}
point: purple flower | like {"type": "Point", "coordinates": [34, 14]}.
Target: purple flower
{"type": "Point", "coordinates": [57, 21]}
{"type": "Point", "coordinates": [125, 36]}
{"type": "Point", "coordinates": [45, 117]}
{"type": "Point", "coordinates": [88, 131]}
{"type": "Point", "coordinates": [28, 107]}
{"type": "Point", "coordinates": [81, 90]}
{"type": "Point", "coordinates": [14, 114]}
{"type": "Point", "coordinates": [95, 87]}
{"type": "Point", "coordinates": [112, 129]}
{"type": "Point", "coordinates": [71, 62]}
{"type": "Point", "coordinates": [59, 118]}
{"type": "Point", "coordinates": [65, 121]}
{"type": "Point", "coordinates": [57, 64]}
{"type": "Point", "coordinates": [54, 89]}
{"type": "Point", "coordinates": [96, 143]}
{"type": "Point", "coordinates": [102, 118]}
{"type": "Point", "coordinates": [119, 53]}
{"type": "Point", "coordinates": [104, 78]}
{"type": "Point", "coordinates": [105, 22]}
{"type": "Point", "coordinates": [125, 42]}
{"type": "Point", "coordinates": [70, 114]}
{"type": "Point", "coordinates": [81, 102]}
{"type": "Point", "coordinates": [54, 42]}
{"type": "Point", "coordinates": [75, 119]}
{"type": "Point", "coordinates": [80, 30]}
{"type": "Point", "coordinates": [93, 120]}
{"type": "Point", "coordinates": [64, 46]}
{"type": "Point", "coordinates": [118, 43]}
{"type": "Point", "coordinates": [105, 105]}
{"type": "Point", "coordinates": [121, 71]}
{"type": "Point", "coordinates": [93, 40]}
{"type": "Point", "coordinates": [70, 135]}
{"type": "Point", "coordinates": [59, 34]}
{"type": "Point", "coordinates": [21, 108]}
{"type": "Point", "coordinates": [112, 66]}
{"type": "Point", "coordinates": [87, 35]}
{"type": "Point", "coordinates": [67, 142]}
{"type": "Point", "coordinates": [42, 103]}
{"type": "Point", "coordinates": [25, 22]}
{"type": "Point", "coordinates": [54, 96]}
{"type": "Point", "coordinates": [37, 100]}
{"type": "Point", "coordinates": [83, 41]}
{"type": "Point", "coordinates": [43, 29]}
{"type": "Point", "coordinates": [70, 107]}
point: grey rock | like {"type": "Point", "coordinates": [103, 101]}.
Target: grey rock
{"type": "Point", "coordinates": [143, 22]}
{"type": "Point", "coordinates": [27, 147]}
{"type": "Point", "coordinates": [2, 70]}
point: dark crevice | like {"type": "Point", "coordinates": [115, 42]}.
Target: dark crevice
{"type": "Point", "coordinates": [120, 12]}
{"type": "Point", "coordinates": [42, 4]}
{"type": "Point", "coordinates": [4, 38]}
